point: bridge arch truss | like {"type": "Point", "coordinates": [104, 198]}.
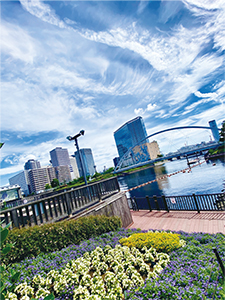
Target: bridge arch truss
{"type": "Point", "coordinates": [119, 167]}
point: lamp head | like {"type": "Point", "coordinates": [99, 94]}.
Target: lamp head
{"type": "Point", "coordinates": [69, 138]}
{"type": "Point", "coordinates": [82, 132]}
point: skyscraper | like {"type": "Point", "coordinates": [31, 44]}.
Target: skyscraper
{"type": "Point", "coordinates": [32, 164]}
{"type": "Point", "coordinates": [214, 129]}
{"type": "Point", "coordinates": [22, 180]}
{"type": "Point", "coordinates": [87, 160]}
{"type": "Point", "coordinates": [59, 157]}
{"type": "Point", "coordinates": [38, 178]}
{"type": "Point", "coordinates": [61, 162]}
{"type": "Point", "coordinates": [130, 134]}
{"type": "Point", "coordinates": [73, 163]}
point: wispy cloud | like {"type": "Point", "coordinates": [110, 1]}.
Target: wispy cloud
{"type": "Point", "coordinates": [95, 65]}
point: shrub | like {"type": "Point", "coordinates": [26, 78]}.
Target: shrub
{"type": "Point", "coordinates": [31, 241]}
{"type": "Point", "coordinates": [161, 241]}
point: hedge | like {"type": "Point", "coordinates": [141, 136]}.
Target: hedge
{"type": "Point", "coordinates": [32, 241]}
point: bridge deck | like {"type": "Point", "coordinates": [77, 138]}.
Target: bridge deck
{"type": "Point", "coordinates": [208, 222]}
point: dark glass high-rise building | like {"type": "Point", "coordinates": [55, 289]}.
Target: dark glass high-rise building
{"type": "Point", "coordinates": [129, 135]}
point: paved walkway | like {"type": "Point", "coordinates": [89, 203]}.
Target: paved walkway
{"type": "Point", "coordinates": [188, 221]}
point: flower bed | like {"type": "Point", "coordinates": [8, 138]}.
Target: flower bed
{"type": "Point", "coordinates": [161, 241]}
{"type": "Point", "coordinates": [99, 274]}
{"type": "Point", "coordinates": [193, 272]}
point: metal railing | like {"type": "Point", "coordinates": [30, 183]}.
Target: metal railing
{"type": "Point", "coordinates": [59, 206]}
{"type": "Point", "coordinates": [205, 202]}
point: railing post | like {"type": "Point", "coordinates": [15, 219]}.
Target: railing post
{"type": "Point", "coordinates": [156, 202]}
{"type": "Point", "coordinates": [68, 206]}
{"type": "Point", "coordinates": [99, 192]}
{"type": "Point", "coordinates": [117, 184]}
{"type": "Point", "coordinates": [196, 203]}
{"type": "Point", "coordinates": [165, 203]}
{"type": "Point", "coordinates": [134, 198]}
{"type": "Point", "coordinates": [219, 261]}
{"type": "Point", "coordinates": [149, 204]}
{"type": "Point", "coordinates": [14, 218]}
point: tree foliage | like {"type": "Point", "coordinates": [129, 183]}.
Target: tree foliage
{"type": "Point", "coordinates": [55, 182]}
{"type": "Point", "coordinates": [47, 186]}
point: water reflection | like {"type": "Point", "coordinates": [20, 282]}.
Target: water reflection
{"type": "Point", "coordinates": [202, 179]}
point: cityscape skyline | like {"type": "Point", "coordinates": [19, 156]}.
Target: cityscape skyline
{"type": "Point", "coordinates": [95, 65]}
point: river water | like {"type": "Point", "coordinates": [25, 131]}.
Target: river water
{"type": "Point", "coordinates": [206, 178]}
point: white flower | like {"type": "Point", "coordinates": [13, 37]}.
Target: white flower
{"type": "Point", "coordinates": [10, 296]}
{"type": "Point", "coordinates": [42, 293]}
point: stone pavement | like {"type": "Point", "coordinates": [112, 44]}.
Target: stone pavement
{"type": "Point", "coordinates": [188, 221]}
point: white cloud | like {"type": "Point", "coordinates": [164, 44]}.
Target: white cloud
{"type": "Point", "coordinates": [139, 111]}
{"type": "Point", "coordinates": [17, 43]}
{"type": "Point", "coordinates": [151, 107]}
{"type": "Point", "coordinates": [42, 11]}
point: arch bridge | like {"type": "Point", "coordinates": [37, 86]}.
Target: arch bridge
{"type": "Point", "coordinates": [123, 164]}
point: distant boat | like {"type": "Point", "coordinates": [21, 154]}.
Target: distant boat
{"type": "Point", "coordinates": [193, 161]}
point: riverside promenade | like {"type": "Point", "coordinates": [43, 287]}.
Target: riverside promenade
{"type": "Point", "coordinates": [188, 221]}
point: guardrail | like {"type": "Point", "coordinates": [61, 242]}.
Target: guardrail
{"type": "Point", "coordinates": [60, 205]}
{"type": "Point", "coordinates": [205, 202]}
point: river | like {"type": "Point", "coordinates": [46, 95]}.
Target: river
{"type": "Point", "coordinates": [206, 178]}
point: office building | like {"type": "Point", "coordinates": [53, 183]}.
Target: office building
{"type": "Point", "coordinates": [51, 173]}
{"type": "Point", "coordinates": [59, 157]}
{"type": "Point", "coordinates": [38, 178]}
{"type": "Point", "coordinates": [153, 149]}
{"type": "Point", "coordinates": [21, 179]}
{"type": "Point", "coordinates": [75, 174]}
{"type": "Point", "coordinates": [63, 174]}
{"type": "Point", "coordinates": [129, 135]}
{"type": "Point", "coordinates": [87, 161]}
{"type": "Point", "coordinates": [116, 161]}
{"type": "Point", "coordinates": [214, 129]}
{"type": "Point", "coordinates": [32, 164]}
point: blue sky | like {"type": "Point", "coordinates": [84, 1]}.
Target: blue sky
{"type": "Point", "coordinates": [94, 65]}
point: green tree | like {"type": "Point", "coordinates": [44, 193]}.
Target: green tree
{"type": "Point", "coordinates": [222, 132]}
{"type": "Point", "coordinates": [55, 182]}
{"type": "Point", "coordinates": [47, 186]}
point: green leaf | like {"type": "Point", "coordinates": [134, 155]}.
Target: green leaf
{"type": "Point", "coordinates": [49, 297]}
{"type": "Point", "coordinates": [6, 249]}
{"type": "Point", "coordinates": [7, 226]}
{"type": "Point", "coordinates": [2, 296]}
{"type": "Point", "coordinates": [2, 288]}
{"type": "Point", "coordinates": [2, 269]}
{"type": "Point", "coordinates": [15, 276]}
{"type": "Point", "coordinates": [4, 234]}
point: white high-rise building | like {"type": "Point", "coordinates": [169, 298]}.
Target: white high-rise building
{"type": "Point", "coordinates": [73, 163]}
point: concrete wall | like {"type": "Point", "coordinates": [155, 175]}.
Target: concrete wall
{"type": "Point", "coordinates": [115, 205]}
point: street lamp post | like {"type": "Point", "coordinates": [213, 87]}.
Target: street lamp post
{"type": "Point", "coordinates": [70, 138]}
